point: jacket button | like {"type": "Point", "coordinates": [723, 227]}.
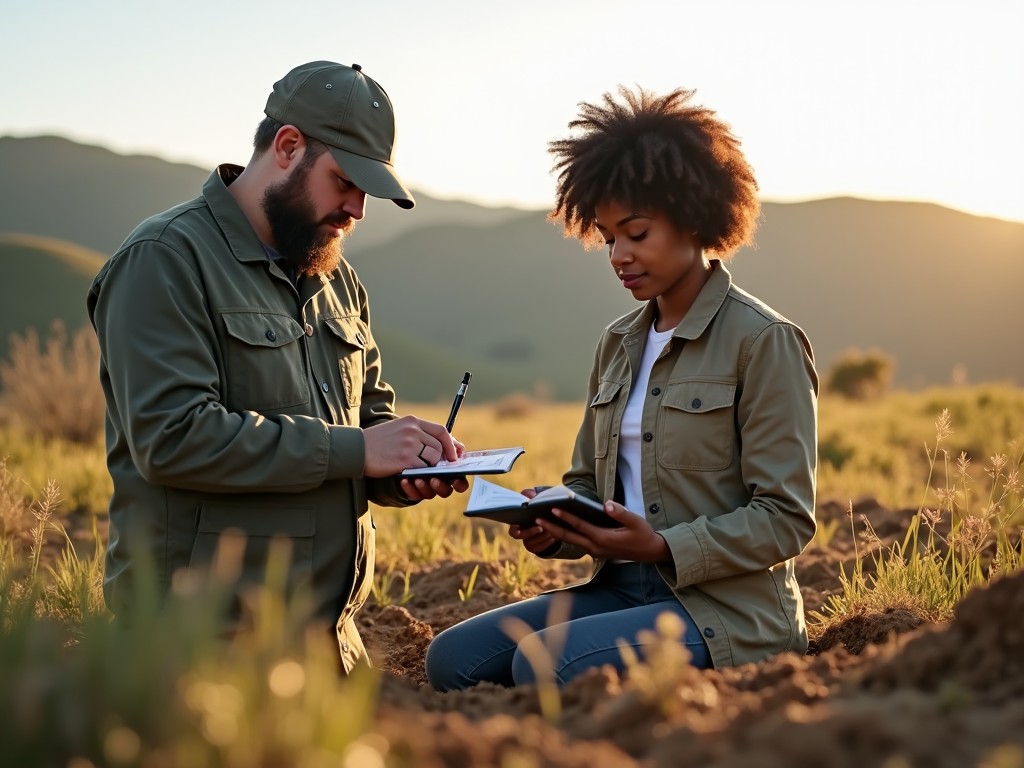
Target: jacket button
{"type": "Point", "coordinates": [308, 329]}
{"type": "Point", "coordinates": [271, 336]}
{"type": "Point", "coordinates": [325, 387]}
{"type": "Point", "coordinates": [656, 391]}
{"type": "Point", "coordinates": [709, 632]}
{"type": "Point", "coordinates": [696, 402]}
{"type": "Point", "coordinates": [648, 437]}
{"type": "Point", "coordinates": [655, 509]}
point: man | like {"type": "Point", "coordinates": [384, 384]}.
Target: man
{"type": "Point", "coordinates": [242, 382]}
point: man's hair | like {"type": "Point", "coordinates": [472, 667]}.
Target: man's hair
{"type": "Point", "coordinates": [657, 154]}
{"type": "Point", "coordinates": [267, 130]}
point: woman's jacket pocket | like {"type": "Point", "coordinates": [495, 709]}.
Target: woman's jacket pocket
{"type": "Point", "coordinates": [698, 430]}
{"type": "Point", "coordinates": [603, 407]}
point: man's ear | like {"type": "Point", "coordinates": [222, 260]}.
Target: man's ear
{"type": "Point", "coordinates": [288, 146]}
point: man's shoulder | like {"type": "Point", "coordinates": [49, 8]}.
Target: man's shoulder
{"type": "Point", "coordinates": [169, 231]}
{"type": "Point", "coordinates": [168, 225]}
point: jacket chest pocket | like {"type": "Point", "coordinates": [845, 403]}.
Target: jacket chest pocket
{"type": "Point", "coordinates": [603, 409]}
{"type": "Point", "coordinates": [697, 429]}
{"type": "Point", "coordinates": [266, 367]}
{"type": "Point", "coordinates": [350, 337]}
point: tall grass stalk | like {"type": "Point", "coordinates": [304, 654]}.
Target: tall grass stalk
{"type": "Point", "coordinates": [515, 576]}
{"type": "Point", "coordinates": [959, 543]}
{"type": "Point", "coordinates": [466, 591]}
{"type": "Point", "coordinates": [383, 584]}
{"type": "Point", "coordinates": [165, 688]}
{"type": "Point", "coordinates": [541, 654]}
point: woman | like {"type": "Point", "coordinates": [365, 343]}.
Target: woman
{"type": "Point", "coordinates": [701, 426]}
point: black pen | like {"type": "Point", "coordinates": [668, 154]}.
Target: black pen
{"type": "Point", "coordinates": [459, 397]}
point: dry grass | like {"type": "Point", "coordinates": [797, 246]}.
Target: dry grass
{"type": "Point", "coordinates": [52, 388]}
{"type": "Point", "coordinates": [271, 700]}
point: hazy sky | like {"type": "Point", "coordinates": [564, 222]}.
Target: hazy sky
{"type": "Point", "coordinates": [887, 99]}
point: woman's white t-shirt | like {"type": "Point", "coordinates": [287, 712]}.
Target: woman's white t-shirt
{"type": "Point", "coordinates": [631, 429]}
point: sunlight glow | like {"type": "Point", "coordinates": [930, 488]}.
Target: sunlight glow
{"type": "Point", "coordinates": [885, 100]}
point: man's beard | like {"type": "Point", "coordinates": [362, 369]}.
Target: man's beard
{"type": "Point", "coordinates": [298, 235]}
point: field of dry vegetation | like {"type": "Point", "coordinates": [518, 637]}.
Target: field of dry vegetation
{"type": "Point", "coordinates": [912, 586]}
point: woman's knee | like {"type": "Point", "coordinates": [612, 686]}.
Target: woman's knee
{"type": "Point", "coordinates": [442, 661]}
{"type": "Point", "coordinates": [469, 653]}
{"type": "Point", "coordinates": [523, 672]}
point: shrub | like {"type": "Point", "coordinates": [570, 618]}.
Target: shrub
{"type": "Point", "coordinates": [515, 406]}
{"type": "Point", "coordinates": [860, 375]}
{"type": "Point", "coordinates": [54, 389]}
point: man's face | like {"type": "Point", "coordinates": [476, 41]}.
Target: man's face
{"type": "Point", "coordinates": [310, 211]}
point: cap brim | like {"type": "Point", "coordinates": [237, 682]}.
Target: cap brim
{"type": "Point", "coordinates": [375, 178]}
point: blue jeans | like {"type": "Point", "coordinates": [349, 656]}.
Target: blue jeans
{"type": "Point", "coordinates": [581, 627]}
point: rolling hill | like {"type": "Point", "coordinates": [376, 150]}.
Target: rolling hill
{"type": "Point", "coordinates": [46, 280]}
{"type": "Point", "coordinates": [94, 197]}
{"type": "Point", "coordinates": [457, 286]}
{"type": "Point", "coordinates": [939, 290]}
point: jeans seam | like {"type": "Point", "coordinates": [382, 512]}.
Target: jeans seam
{"type": "Point", "coordinates": [512, 651]}
{"type": "Point", "coordinates": [558, 673]}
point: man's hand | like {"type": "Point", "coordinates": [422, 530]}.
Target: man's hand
{"type": "Point", "coordinates": [635, 540]}
{"type": "Point", "coordinates": [422, 488]}
{"type": "Point", "coordinates": [407, 442]}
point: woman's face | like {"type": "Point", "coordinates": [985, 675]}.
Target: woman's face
{"type": "Point", "coordinates": [651, 257]}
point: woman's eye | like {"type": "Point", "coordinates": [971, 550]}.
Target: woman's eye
{"type": "Point", "coordinates": [638, 238]}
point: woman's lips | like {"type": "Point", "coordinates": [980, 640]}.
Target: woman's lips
{"type": "Point", "coordinates": [630, 281]}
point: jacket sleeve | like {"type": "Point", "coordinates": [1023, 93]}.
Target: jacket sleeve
{"type": "Point", "coordinates": [162, 376]}
{"type": "Point", "coordinates": [377, 407]}
{"type": "Point", "coordinates": [776, 419]}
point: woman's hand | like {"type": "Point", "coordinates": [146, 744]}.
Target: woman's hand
{"type": "Point", "coordinates": [534, 538]}
{"type": "Point", "coordinates": [635, 540]}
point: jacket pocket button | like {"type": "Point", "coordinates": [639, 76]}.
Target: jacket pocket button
{"type": "Point", "coordinates": [696, 402]}
{"type": "Point", "coordinates": [271, 336]}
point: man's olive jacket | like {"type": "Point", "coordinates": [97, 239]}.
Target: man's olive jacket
{"type": "Point", "coordinates": [236, 401]}
{"type": "Point", "coordinates": [728, 461]}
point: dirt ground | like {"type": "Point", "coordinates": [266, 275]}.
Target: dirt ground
{"type": "Point", "coordinates": [877, 690]}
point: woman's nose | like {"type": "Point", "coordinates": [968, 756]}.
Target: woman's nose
{"type": "Point", "coordinates": [618, 253]}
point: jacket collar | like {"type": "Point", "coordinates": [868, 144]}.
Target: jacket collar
{"type": "Point", "coordinates": [695, 321]}
{"type": "Point", "coordinates": [241, 237]}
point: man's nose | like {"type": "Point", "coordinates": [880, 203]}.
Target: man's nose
{"type": "Point", "coordinates": [355, 204]}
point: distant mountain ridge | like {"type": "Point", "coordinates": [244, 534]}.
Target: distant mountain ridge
{"type": "Point", "coordinates": [45, 280]}
{"type": "Point", "coordinates": [457, 286]}
{"type": "Point", "coordinates": [94, 197]}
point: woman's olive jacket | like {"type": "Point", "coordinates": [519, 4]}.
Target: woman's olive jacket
{"type": "Point", "coordinates": [728, 461]}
